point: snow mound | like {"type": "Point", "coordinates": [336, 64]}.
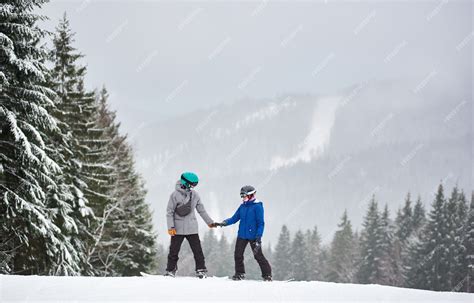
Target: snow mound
{"type": "Point", "coordinates": [186, 289]}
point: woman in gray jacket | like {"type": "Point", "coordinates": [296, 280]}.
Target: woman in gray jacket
{"type": "Point", "coordinates": [182, 223]}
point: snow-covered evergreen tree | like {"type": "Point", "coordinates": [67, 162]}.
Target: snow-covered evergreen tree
{"type": "Point", "coordinates": [210, 245]}
{"type": "Point", "coordinates": [419, 217]}
{"type": "Point", "coordinates": [469, 246]}
{"type": "Point", "coordinates": [64, 79]}
{"type": "Point", "coordinates": [342, 254]}
{"type": "Point", "coordinates": [409, 257]}
{"type": "Point", "coordinates": [299, 257]}
{"type": "Point", "coordinates": [404, 221]}
{"type": "Point", "coordinates": [461, 270]}
{"type": "Point", "coordinates": [427, 265]}
{"type": "Point", "coordinates": [371, 247]}
{"type": "Point", "coordinates": [97, 171]}
{"type": "Point", "coordinates": [224, 258]}
{"type": "Point", "coordinates": [86, 156]}
{"type": "Point", "coordinates": [125, 242]}
{"type": "Point", "coordinates": [456, 210]}
{"type": "Point", "coordinates": [324, 262]}
{"type": "Point", "coordinates": [390, 269]}
{"type": "Point", "coordinates": [34, 243]}
{"type": "Point", "coordinates": [313, 255]}
{"type": "Point", "coordinates": [282, 268]}
{"type": "Point", "coordinates": [404, 225]}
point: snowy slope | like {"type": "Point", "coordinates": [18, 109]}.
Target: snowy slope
{"type": "Point", "coordinates": [158, 288]}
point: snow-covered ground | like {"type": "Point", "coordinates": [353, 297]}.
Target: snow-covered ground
{"type": "Point", "coordinates": [163, 289]}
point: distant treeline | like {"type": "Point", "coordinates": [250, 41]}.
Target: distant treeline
{"type": "Point", "coordinates": [433, 251]}
{"type": "Point", "coordinates": [71, 201]}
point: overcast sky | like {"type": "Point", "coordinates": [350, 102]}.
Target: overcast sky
{"type": "Point", "coordinates": [161, 58]}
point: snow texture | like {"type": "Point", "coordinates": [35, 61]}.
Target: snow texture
{"type": "Point", "coordinates": [186, 289]}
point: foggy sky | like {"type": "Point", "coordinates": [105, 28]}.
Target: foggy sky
{"type": "Point", "coordinates": [162, 59]}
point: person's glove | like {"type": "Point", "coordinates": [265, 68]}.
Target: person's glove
{"type": "Point", "coordinates": [257, 245]}
{"type": "Point", "coordinates": [172, 231]}
{"type": "Point", "coordinates": [215, 224]}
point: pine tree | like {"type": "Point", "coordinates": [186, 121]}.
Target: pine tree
{"type": "Point", "coordinates": [299, 257]}
{"type": "Point", "coordinates": [404, 221]}
{"type": "Point", "coordinates": [313, 246]}
{"type": "Point", "coordinates": [371, 248]}
{"type": "Point", "coordinates": [283, 267]}
{"type": "Point", "coordinates": [461, 271]}
{"type": "Point", "coordinates": [138, 251]}
{"type": "Point", "coordinates": [86, 155]}
{"type": "Point", "coordinates": [64, 78]}
{"type": "Point", "coordinates": [223, 259]}
{"type": "Point", "coordinates": [419, 217]}
{"type": "Point", "coordinates": [407, 225]}
{"type": "Point", "coordinates": [469, 246]}
{"type": "Point", "coordinates": [390, 269]}
{"type": "Point", "coordinates": [127, 242]}
{"type": "Point", "coordinates": [324, 262]}
{"type": "Point", "coordinates": [410, 267]}
{"type": "Point", "coordinates": [210, 245]}
{"type": "Point", "coordinates": [427, 267]}
{"type": "Point", "coordinates": [342, 254]}
{"type": "Point", "coordinates": [99, 175]}
{"type": "Point", "coordinates": [455, 223]}
{"type": "Point", "coordinates": [34, 244]}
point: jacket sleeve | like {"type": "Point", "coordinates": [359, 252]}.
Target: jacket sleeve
{"type": "Point", "coordinates": [202, 212]}
{"type": "Point", "coordinates": [260, 220]}
{"type": "Point", "coordinates": [170, 212]}
{"type": "Point", "coordinates": [234, 219]}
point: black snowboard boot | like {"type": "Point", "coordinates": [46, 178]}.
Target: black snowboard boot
{"type": "Point", "coordinates": [238, 277]}
{"type": "Point", "coordinates": [201, 273]}
{"type": "Point", "coordinates": [267, 278]}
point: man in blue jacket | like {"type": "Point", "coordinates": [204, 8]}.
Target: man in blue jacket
{"type": "Point", "coordinates": [250, 215]}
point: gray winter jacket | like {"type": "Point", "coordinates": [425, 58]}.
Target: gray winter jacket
{"type": "Point", "coordinates": [188, 224]}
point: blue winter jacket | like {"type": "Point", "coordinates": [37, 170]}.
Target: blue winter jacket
{"type": "Point", "coordinates": [251, 225]}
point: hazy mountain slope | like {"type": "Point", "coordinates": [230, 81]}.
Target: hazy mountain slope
{"type": "Point", "coordinates": [312, 157]}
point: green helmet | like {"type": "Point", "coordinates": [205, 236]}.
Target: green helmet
{"type": "Point", "coordinates": [189, 179]}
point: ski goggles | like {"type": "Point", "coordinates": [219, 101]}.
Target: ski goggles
{"type": "Point", "coordinates": [189, 184]}
{"type": "Point", "coordinates": [243, 195]}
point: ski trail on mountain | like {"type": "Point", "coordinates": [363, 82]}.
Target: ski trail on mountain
{"type": "Point", "coordinates": [318, 137]}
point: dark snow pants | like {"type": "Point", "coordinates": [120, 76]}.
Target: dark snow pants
{"type": "Point", "coordinates": [240, 246]}
{"type": "Point", "coordinates": [175, 246]}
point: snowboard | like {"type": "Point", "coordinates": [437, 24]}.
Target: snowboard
{"type": "Point", "coordinates": [230, 278]}
{"type": "Point", "coordinates": [144, 274]}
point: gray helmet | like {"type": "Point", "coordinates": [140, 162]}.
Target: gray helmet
{"type": "Point", "coordinates": [247, 190]}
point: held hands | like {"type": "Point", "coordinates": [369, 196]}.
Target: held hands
{"type": "Point", "coordinates": [172, 231]}
{"type": "Point", "coordinates": [215, 224]}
